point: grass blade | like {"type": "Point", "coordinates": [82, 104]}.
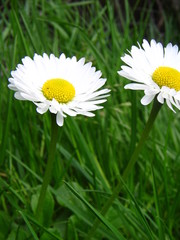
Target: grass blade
{"type": "Point", "coordinates": [117, 234]}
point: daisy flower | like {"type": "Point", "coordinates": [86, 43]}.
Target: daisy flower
{"type": "Point", "coordinates": [64, 86]}
{"type": "Point", "coordinates": [156, 70]}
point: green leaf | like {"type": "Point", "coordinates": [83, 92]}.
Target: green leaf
{"type": "Point", "coordinates": [66, 198]}
{"type": "Point", "coordinates": [46, 235]}
{"type": "Point", "coordinates": [4, 225]}
{"type": "Point", "coordinates": [48, 207]}
{"type": "Point", "coordinates": [71, 231]}
{"type": "Point", "coordinates": [18, 233]}
{"type": "Point", "coordinates": [29, 226]}
{"type": "Point", "coordinates": [114, 230]}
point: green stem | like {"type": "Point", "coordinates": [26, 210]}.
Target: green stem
{"type": "Point", "coordinates": [49, 166]}
{"type": "Point", "coordinates": [154, 112]}
{"type": "Point", "coordinates": [155, 109]}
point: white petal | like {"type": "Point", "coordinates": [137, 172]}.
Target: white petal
{"type": "Point", "coordinates": [29, 97]}
{"type": "Point", "coordinates": [160, 98]}
{"type": "Point", "coordinates": [135, 86]}
{"type": "Point", "coordinates": [68, 111]}
{"type": "Point", "coordinates": [147, 99]}
{"type": "Point", "coordinates": [18, 96]}
{"type": "Point", "coordinates": [177, 103]}
{"type": "Point", "coordinates": [53, 110]}
{"type": "Point", "coordinates": [59, 119]}
{"type": "Point", "coordinates": [81, 61]}
{"type": "Point", "coordinates": [42, 110]}
{"type": "Point", "coordinates": [151, 91]}
{"type": "Point", "coordinates": [12, 87]}
{"type": "Point", "coordinates": [170, 105]}
{"type": "Point", "coordinates": [86, 113]}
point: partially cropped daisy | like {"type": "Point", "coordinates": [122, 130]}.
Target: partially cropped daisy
{"type": "Point", "coordinates": [156, 70]}
{"type": "Point", "coordinates": [64, 86]}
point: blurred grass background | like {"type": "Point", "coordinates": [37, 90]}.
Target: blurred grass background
{"type": "Point", "coordinates": [92, 153]}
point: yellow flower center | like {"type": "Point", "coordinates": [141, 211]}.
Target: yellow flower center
{"type": "Point", "coordinates": [59, 89]}
{"type": "Point", "coordinates": [167, 76]}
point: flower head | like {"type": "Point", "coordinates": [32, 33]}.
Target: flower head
{"type": "Point", "coordinates": [156, 70]}
{"type": "Point", "coordinates": [64, 86]}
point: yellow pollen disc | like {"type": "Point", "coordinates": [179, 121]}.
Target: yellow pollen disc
{"type": "Point", "coordinates": [59, 89]}
{"type": "Point", "coordinates": [167, 76]}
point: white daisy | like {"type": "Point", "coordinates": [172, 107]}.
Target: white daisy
{"type": "Point", "coordinates": [63, 85]}
{"type": "Point", "coordinates": [156, 70]}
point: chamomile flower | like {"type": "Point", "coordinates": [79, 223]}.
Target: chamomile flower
{"type": "Point", "coordinates": [156, 70]}
{"type": "Point", "coordinates": [64, 86]}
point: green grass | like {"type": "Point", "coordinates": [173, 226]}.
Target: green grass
{"type": "Point", "coordinates": [92, 153]}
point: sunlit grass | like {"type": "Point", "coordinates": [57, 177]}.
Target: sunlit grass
{"type": "Point", "coordinates": [92, 153]}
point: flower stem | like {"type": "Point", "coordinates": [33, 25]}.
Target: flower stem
{"type": "Point", "coordinates": [155, 109]}
{"type": "Point", "coordinates": [49, 166]}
